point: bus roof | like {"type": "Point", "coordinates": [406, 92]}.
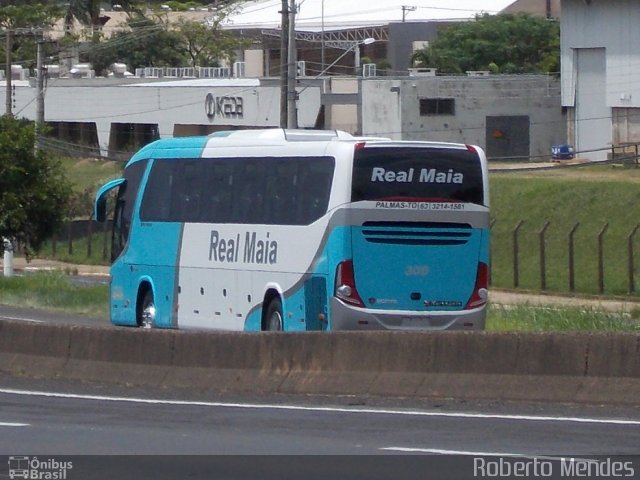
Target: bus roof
{"type": "Point", "coordinates": [193, 147]}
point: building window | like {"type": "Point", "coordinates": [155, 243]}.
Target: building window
{"type": "Point", "coordinates": [437, 106]}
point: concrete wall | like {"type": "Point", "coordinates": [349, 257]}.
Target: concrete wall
{"type": "Point", "coordinates": [402, 35]}
{"type": "Point", "coordinates": [562, 367]}
{"type": "Point", "coordinates": [391, 107]}
{"type": "Point", "coordinates": [383, 106]}
{"type": "Point", "coordinates": [106, 101]}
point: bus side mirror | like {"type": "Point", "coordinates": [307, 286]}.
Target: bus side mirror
{"type": "Point", "coordinates": [100, 207]}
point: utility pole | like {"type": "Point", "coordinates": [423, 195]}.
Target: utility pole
{"type": "Point", "coordinates": [322, 38]}
{"type": "Point", "coordinates": [292, 113]}
{"type": "Point", "coordinates": [284, 70]}
{"type": "Point", "coordinates": [406, 9]}
{"type": "Point", "coordinates": [40, 92]}
{"type": "Point", "coordinates": [7, 72]}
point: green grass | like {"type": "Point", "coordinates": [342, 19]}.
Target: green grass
{"type": "Point", "coordinates": [555, 319]}
{"type": "Point", "coordinates": [84, 175]}
{"type": "Point", "coordinates": [90, 173]}
{"type": "Point", "coordinates": [79, 253]}
{"type": "Point", "coordinates": [54, 291]}
{"type": "Point", "coordinates": [591, 199]}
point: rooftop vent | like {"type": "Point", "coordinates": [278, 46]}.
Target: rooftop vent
{"type": "Point", "coordinates": [82, 70]}
{"type": "Point", "coordinates": [422, 72]}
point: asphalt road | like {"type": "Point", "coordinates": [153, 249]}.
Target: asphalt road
{"type": "Point", "coordinates": [53, 419]}
{"type": "Point", "coordinates": [118, 432]}
{"type": "Point", "coordinates": [45, 316]}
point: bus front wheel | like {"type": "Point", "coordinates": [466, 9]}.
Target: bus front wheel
{"type": "Point", "coordinates": [274, 316]}
{"type": "Point", "coordinates": [147, 315]}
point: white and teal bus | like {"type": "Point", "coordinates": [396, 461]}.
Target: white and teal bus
{"type": "Point", "coordinates": [300, 230]}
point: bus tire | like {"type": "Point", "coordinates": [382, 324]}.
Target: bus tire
{"type": "Point", "coordinates": [274, 322]}
{"type": "Point", "coordinates": [147, 312]}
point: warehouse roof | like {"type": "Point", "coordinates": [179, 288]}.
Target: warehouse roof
{"type": "Point", "coordinates": [347, 14]}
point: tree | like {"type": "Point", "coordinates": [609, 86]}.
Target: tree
{"type": "Point", "coordinates": [504, 43]}
{"type": "Point", "coordinates": [26, 14]}
{"type": "Point", "coordinates": [208, 44]}
{"type": "Point", "coordinates": [146, 43]}
{"type": "Point", "coordinates": [25, 19]}
{"type": "Point", "coordinates": [155, 42]}
{"type": "Point", "coordinates": [88, 13]}
{"type": "Point", "coordinates": [34, 192]}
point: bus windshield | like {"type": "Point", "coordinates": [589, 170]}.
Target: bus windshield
{"type": "Point", "coordinates": [417, 174]}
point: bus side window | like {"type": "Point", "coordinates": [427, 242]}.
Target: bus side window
{"type": "Point", "coordinates": [314, 188]}
{"type": "Point", "coordinates": [248, 201]}
{"type": "Point", "coordinates": [119, 232]}
{"type": "Point", "coordinates": [216, 191]}
{"type": "Point", "coordinates": [157, 200]}
{"type": "Point", "coordinates": [186, 205]}
{"type": "Point", "coordinates": [280, 194]}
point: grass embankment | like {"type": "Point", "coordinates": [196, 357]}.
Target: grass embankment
{"type": "Point", "coordinates": [54, 291]}
{"type": "Point", "coordinates": [591, 197]}
{"type": "Point", "coordinates": [79, 253]}
{"type": "Point", "coordinates": [90, 174]}
{"type": "Point", "coordinates": [86, 176]}
{"type": "Point", "coordinates": [556, 319]}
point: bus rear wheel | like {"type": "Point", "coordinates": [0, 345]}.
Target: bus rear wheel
{"type": "Point", "coordinates": [147, 315]}
{"type": "Point", "coordinates": [274, 316]}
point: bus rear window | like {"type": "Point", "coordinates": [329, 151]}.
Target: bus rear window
{"type": "Point", "coordinates": [417, 173]}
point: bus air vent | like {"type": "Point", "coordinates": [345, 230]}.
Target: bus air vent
{"type": "Point", "coordinates": [417, 233]}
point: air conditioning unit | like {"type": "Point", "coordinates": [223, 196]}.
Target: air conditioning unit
{"type": "Point", "coordinates": [221, 72]}
{"type": "Point", "coordinates": [187, 72]}
{"type": "Point", "coordinates": [53, 71]}
{"type": "Point", "coordinates": [369, 70]}
{"type": "Point", "coordinates": [422, 72]}
{"type": "Point", "coordinates": [118, 69]}
{"type": "Point", "coordinates": [82, 70]}
{"type": "Point", "coordinates": [204, 72]}
{"type": "Point", "coordinates": [18, 73]}
{"type": "Point", "coordinates": [239, 69]}
{"type": "Point", "coordinates": [170, 72]}
{"type": "Point", "coordinates": [152, 72]}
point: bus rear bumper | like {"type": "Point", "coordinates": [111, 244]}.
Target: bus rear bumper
{"type": "Point", "coordinates": [347, 317]}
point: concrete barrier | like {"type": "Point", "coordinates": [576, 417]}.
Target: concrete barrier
{"type": "Point", "coordinates": [561, 367]}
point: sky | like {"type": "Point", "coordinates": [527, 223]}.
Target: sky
{"type": "Point", "coordinates": [350, 13]}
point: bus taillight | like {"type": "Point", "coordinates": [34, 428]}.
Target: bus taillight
{"type": "Point", "coordinates": [345, 288]}
{"type": "Point", "coordinates": [480, 293]}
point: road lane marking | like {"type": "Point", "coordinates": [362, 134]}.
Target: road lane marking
{"type": "Point", "coordinates": [439, 451]}
{"type": "Point", "coordinates": [466, 453]}
{"type": "Point", "coordinates": [415, 413]}
{"type": "Point", "coordinates": [10, 424]}
{"type": "Point", "coordinates": [22, 319]}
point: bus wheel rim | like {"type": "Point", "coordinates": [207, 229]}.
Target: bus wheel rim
{"type": "Point", "coordinates": [148, 315]}
{"type": "Point", "coordinates": [275, 321]}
